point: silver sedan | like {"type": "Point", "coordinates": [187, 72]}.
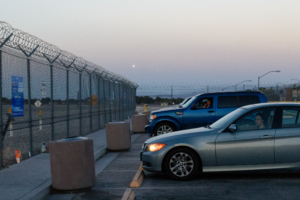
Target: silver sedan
{"type": "Point", "coordinates": [255, 137]}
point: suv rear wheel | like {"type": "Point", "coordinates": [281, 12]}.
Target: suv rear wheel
{"type": "Point", "coordinates": [164, 128]}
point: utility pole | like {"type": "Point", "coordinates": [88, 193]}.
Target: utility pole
{"type": "Point", "coordinates": [207, 88]}
{"type": "Point", "coordinates": [171, 92]}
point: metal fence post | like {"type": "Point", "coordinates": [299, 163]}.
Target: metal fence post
{"type": "Point", "coordinates": [80, 132]}
{"type": "Point", "coordinates": [104, 102]}
{"type": "Point", "coordinates": [1, 122]}
{"type": "Point", "coordinates": [98, 78]}
{"type": "Point", "coordinates": [109, 101]}
{"type": "Point", "coordinates": [124, 101]}
{"type": "Point", "coordinates": [91, 123]}
{"type": "Point", "coordinates": [120, 100]}
{"type": "Point", "coordinates": [134, 98]}
{"type": "Point", "coordinates": [115, 101]}
{"type": "Point", "coordinates": [127, 101]}
{"type": "Point", "coordinates": [132, 110]}
{"type": "Point", "coordinates": [29, 106]}
{"type": "Point", "coordinates": [52, 106]}
{"type": "Point", "coordinates": [68, 107]}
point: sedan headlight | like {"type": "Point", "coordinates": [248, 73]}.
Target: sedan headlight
{"type": "Point", "coordinates": [155, 147]}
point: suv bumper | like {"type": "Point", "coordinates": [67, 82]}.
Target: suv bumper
{"type": "Point", "coordinates": [149, 130]}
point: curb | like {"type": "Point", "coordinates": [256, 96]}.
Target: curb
{"type": "Point", "coordinates": [141, 166]}
{"type": "Point", "coordinates": [100, 152]}
{"type": "Point", "coordinates": [137, 179]}
{"type": "Point", "coordinates": [128, 195]}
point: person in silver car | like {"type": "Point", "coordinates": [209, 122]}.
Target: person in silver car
{"type": "Point", "coordinates": [259, 121]}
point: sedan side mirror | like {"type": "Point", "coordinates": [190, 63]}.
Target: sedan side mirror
{"type": "Point", "coordinates": [232, 128]}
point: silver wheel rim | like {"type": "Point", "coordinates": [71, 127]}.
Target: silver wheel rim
{"type": "Point", "coordinates": [164, 129]}
{"type": "Point", "coordinates": [181, 164]}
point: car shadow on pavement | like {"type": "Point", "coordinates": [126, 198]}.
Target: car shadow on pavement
{"type": "Point", "coordinates": [232, 175]}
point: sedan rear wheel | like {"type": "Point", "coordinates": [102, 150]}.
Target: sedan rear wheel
{"type": "Point", "coordinates": [181, 164]}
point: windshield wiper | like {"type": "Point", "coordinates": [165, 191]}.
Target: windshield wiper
{"type": "Point", "coordinates": [208, 126]}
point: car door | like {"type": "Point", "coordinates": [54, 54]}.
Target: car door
{"type": "Point", "coordinates": [287, 138]}
{"type": "Point", "coordinates": [252, 143]}
{"type": "Point", "coordinates": [198, 115]}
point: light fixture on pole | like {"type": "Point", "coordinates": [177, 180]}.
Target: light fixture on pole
{"type": "Point", "coordinates": [226, 88]}
{"type": "Point", "coordinates": [242, 82]}
{"type": "Point", "coordinates": [295, 80]}
{"type": "Point", "coordinates": [264, 75]}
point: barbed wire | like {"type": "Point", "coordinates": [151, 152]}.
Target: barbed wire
{"type": "Point", "coordinates": [32, 45]}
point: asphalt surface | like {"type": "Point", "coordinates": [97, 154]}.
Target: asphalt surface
{"type": "Point", "coordinates": [117, 175]}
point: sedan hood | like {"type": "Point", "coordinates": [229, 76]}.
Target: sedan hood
{"type": "Point", "coordinates": [181, 134]}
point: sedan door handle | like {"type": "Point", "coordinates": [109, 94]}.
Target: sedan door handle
{"type": "Point", "coordinates": [266, 137]}
{"type": "Point", "coordinates": [210, 111]}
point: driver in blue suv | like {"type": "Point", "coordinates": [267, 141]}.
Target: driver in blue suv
{"type": "Point", "coordinates": [201, 110]}
{"type": "Point", "coordinates": [208, 104]}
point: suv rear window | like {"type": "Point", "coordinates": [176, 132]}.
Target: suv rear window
{"type": "Point", "coordinates": [248, 99]}
{"type": "Point", "coordinates": [227, 102]}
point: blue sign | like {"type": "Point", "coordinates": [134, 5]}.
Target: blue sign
{"type": "Point", "coordinates": [17, 96]}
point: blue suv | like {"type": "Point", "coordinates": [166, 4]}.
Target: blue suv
{"type": "Point", "coordinates": [201, 110]}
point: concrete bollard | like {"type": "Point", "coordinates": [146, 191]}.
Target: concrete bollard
{"type": "Point", "coordinates": [72, 164]}
{"type": "Point", "coordinates": [138, 123]}
{"type": "Point", "coordinates": [118, 136]}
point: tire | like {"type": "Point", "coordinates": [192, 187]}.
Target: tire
{"type": "Point", "coordinates": [187, 163]}
{"type": "Point", "coordinates": [163, 128]}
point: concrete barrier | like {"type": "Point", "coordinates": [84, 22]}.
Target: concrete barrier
{"type": "Point", "coordinates": [137, 179]}
{"type": "Point", "coordinates": [72, 164]}
{"type": "Point", "coordinates": [128, 195]}
{"type": "Point", "coordinates": [118, 136]}
{"type": "Point", "coordinates": [138, 123]}
{"type": "Point", "coordinates": [147, 113]}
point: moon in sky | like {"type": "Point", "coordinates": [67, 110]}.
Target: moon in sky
{"type": "Point", "coordinates": [133, 66]}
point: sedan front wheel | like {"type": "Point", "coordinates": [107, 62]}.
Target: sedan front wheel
{"type": "Point", "coordinates": [181, 164]}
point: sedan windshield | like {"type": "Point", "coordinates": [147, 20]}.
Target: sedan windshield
{"type": "Point", "coordinates": [227, 119]}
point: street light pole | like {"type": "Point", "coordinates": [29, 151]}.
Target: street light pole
{"type": "Point", "coordinates": [242, 82]}
{"type": "Point", "coordinates": [264, 75]}
{"type": "Point", "coordinates": [226, 88]}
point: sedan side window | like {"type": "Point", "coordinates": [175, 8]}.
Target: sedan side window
{"type": "Point", "coordinates": [290, 118]}
{"type": "Point", "coordinates": [204, 103]}
{"type": "Point", "coordinates": [259, 119]}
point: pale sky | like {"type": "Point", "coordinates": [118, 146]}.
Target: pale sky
{"type": "Point", "coordinates": [174, 41]}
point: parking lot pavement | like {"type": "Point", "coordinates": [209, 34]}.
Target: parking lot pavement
{"type": "Point", "coordinates": [239, 185]}
{"type": "Point", "coordinates": [116, 177]}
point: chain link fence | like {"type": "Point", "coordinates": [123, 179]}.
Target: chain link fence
{"type": "Point", "coordinates": [77, 97]}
